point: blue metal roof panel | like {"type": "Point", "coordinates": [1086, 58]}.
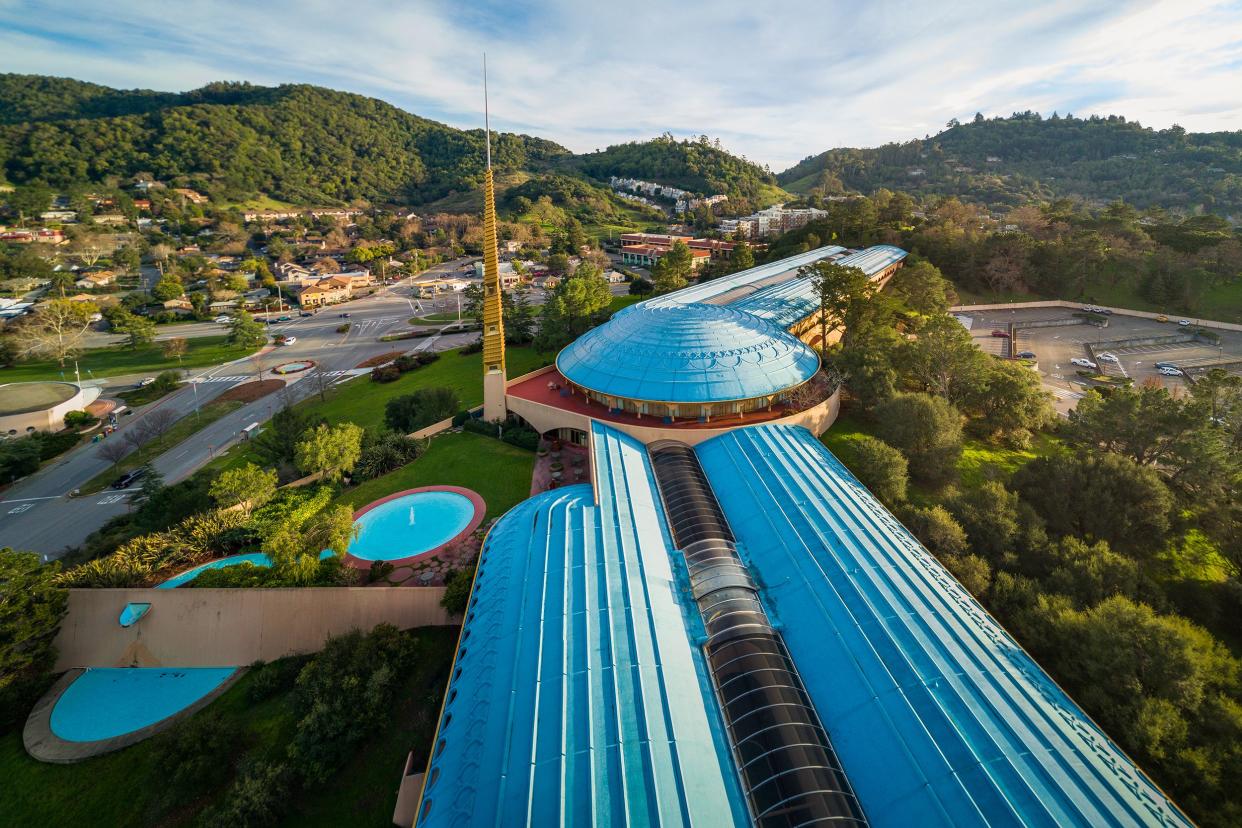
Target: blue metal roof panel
{"type": "Point", "coordinates": [705, 291]}
{"type": "Point", "coordinates": [578, 696]}
{"type": "Point", "coordinates": [938, 715]}
{"type": "Point", "coordinates": [788, 302]}
{"type": "Point", "coordinates": [687, 354]}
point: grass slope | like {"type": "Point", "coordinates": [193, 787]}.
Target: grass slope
{"type": "Point", "coordinates": [118, 360]}
{"type": "Point", "coordinates": [499, 472]}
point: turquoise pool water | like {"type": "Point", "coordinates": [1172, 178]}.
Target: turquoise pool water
{"type": "Point", "coordinates": [105, 701]}
{"type": "Point", "coordinates": [411, 525]}
{"type": "Point", "coordinates": [256, 558]}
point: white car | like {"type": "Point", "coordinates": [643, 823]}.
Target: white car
{"type": "Point", "coordinates": [223, 320]}
{"type": "Point", "coordinates": [288, 340]}
{"type": "Point", "coordinates": [1106, 357]}
{"type": "Point", "coordinates": [1083, 363]}
{"type": "Point", "coordinates": [1185, 323]}
{"type": "Point", "coordinates": [1172, 372]}
{"type": "Point", "coordinates": [145, 381]}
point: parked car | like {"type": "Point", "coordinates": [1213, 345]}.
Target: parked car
{"type": "Point", "coordinates": [1025, 355]}
{"type": "Point", "coordinates": [223, 320]}
{"type": "Point", "coordinates": [1162, 318]}
{"type": "Point", "coordinates": [1185, 323]}
{"type": "Point", "coordinates": [306, 313]}
{"type": "Point", "coordinates": [284, 318]}
{"type": "Point", "coordinates": [145, 381]}
{"type": "Point", "coordinates": [1000, 333]}
{"type": "Point", "coordinates": [1082, 362]}
{"type": "Point", "coordinates": [286, 340]}
{"type": "Point", "coordinates": [1160, 365]}
{"type": "Point", "coordinates": [126, 480]}
{"type": "Point", "coordinates": [1107, 357]}
{"type": "Point", "coordinates": [343, 315]}
{"type": "Point", "coordinates": [1172, 372]}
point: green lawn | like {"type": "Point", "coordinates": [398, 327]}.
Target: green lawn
{"type": "Point", "coordinates": [499, 472]}
{"type": "Point", "coordinates": [182, 429]}
{"type": "Point", "coordinates": [362, 401]}
{"type": "Point", "coordinates": [122, 788]}
{"type": "Point", "coordinates": [147, 394]}
{"type": "Point", "coordinates": [619, 302]}
{"type": "Point", "coordinates": [118, 360]}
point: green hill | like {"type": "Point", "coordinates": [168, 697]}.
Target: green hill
{"type": "Point", "coordinates": [1007, 161]}
{"type": "Point", "coordinates": [697, 166]}
{"type": "Point", "coordinates": [298, 143]}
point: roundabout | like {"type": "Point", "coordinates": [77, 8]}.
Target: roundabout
{"type": "Point", "coordinates": [295, 367]}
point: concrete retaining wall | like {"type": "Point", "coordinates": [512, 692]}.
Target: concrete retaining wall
{"type": "Point", "coordinates": [222, 627]}
{"type": "Point", "coordinates": [1050, 323]}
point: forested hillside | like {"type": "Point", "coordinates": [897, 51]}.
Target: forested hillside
{"type": "Point", "coordinates": [298, 143]}
{"type": "Point", "coordinates": [698, 166]}
{"type": "Point", "coordinates": [1010, 161]}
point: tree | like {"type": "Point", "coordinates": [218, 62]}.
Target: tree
{"type": "Point", "coordinates": [1090, 573]}
{"type": "Point", "coordinates": [246, 331]}
{"type": "Point", "coordinates": [989, 514]}
{"type": "Point", "coordinates": [329, 450]}
{"type": "Point", "coordinates": [1009, 400]}
{"type": "Point", "coordinates": [127, 259]}
{"type": "Point", "coordinates": [58, 329]}
{"type": "Point", "coordinates": [138, 330]}
{"type": "Point", "coordinates": [922, 288]}
{"type": "Point", "coordinates": [838, 289]}
{"type": "Point", "coordinates": [943, 360]}
{"type": "Point", "coordinates": [881, 468]}
{"type": "Point", "coordinates": [1099, 497]}
{"type": "Point", "coordinates": [113, 450]}
{"type": "Point", "coordinates": [247, 487]}
{"type": "Point", "coordinates": [31, 608]}
{"type": "Point", "coordinates": [60, 281]}
{"type": "Point", "coordinates": [277, 444]}
{"type": "Point", "coordinates": [927, 430]}
{"type": "Point", "coordinates": [28, 201]}
{"type": "Point", "coordinates": [573, 307]}
{"type": "Point", "coordinates": [519, 316]}
{"type": "Point", "coordinates": [168, 287]}
{"type": "Point", "coordinates": [558, 264]}
{"type": "Point", "coordinates": [640, 287]}
{"type": "Point", "coordinates": [159, 421]}
{"type": "Point", "coordinates": [672, 270]}
{"type": "Point", "coordinates": [936, 529]}
{"type": "Point", "coordinates": [420, 409]}
{"type": "Point", "coordinates": [743, 257]}
{"type": "Point", "coordinates": [176, 348]}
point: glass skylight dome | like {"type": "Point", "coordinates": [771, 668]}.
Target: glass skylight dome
{"type": "Point", "coordinates": [692, 353]}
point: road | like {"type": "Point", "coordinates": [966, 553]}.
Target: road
{"type": "Point", "coordinates": [39, 514]}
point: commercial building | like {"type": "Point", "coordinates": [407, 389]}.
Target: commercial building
{"type": "Point", "coordinates": [725, 627]}
{"type": "Point", "coordinates": [26, 407]}
{"type": "Point", "coordinates": [771, 221]}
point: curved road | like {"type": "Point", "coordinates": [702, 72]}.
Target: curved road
{"type": "Point", "coordinates": [40, 514]}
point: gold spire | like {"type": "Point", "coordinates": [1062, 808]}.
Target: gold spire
{"type": "Point", "coordinates": [493, 320]}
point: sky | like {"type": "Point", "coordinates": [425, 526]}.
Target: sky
{"type": "Point", "coordinates": [774, 82]}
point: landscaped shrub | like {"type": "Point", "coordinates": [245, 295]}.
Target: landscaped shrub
{"type": "Point", "coordinates": [79, 419]}
{"type": "Point", "coordinates": [194, 757]}
{"type": "Point", "coordinates": [386, 452]}
{"type": "Point", "coordinates": [267, 680]}
{"type": "Point", "coordinates": [457, 590]}
{"type": "Point", "coordinates": [460, 417]}
{"type": "Point", "coordinates": [420, 409]}
{"type": "Point", "coordinates": [522, 437]}
{"type": "Point", "coordinates": [260, 796]}
{"type": "Point", "coordinates": [342, 696]}
{"type": "Point", "coordinates": [385, 373]}
{"type": "Point", "coordinates": [411, 362]}
{"type": "Point", "coordinates": [471, 348]}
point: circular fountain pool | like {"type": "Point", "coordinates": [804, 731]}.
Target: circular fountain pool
{"type": "Point", "coordinates": [413, 523]}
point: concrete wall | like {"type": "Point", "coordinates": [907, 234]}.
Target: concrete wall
{"type": "Point", "coordinates": [543, 418]}
{"type": "Point", "coordinates": [224, 627]}
{"type": "Point", "coordinates": [48, 419]}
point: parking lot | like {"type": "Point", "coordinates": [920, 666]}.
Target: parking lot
{"type": "Point", "coordinates": [1054, 347]}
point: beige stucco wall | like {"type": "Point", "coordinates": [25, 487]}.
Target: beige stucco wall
{"type": "Point", "coordinates": [224, 627]}
{"type": "Point", "coordinates": [545, 418]}
{"type": "Point", "coordinates": [49, 419]}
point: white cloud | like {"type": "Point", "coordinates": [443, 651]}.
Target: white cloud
{"type": "Point", "coordinates": [775, 84]}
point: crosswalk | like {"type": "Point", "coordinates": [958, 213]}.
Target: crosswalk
{"type": "Point", "coordinates": [1062, 393]}
{"type": "Point", "coordinates": [237, 378]}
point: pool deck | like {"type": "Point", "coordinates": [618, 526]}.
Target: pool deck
{"type": "Point", "coordinates": [46, 746]}
{"type": "Point", "coordinates": [480, 511]}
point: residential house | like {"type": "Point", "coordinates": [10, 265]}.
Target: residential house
{"type": "Point", "coordinates": [322, 293]}
{"type": "Point", "coordinates": [191, 195]}
{"type": "Point", "coordinates": [59, 215]}
{"type": "Point", "coordinates": [96, 279]}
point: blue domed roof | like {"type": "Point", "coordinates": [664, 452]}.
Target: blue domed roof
{"type": "Point", "coordinates": [692, 353]}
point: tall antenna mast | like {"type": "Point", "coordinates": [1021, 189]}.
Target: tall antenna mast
{"type": "Point", "coordinates": [487, 124]}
